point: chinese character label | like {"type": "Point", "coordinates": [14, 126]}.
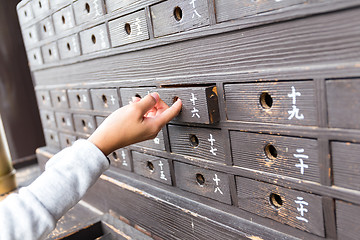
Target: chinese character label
{"type": "Point", "coordinates": [195, 13]}
{"type": "Point", "coordinates": [162, 174]}
{"type": "Point", "coordinates": [301, 156]}
{"type": "Point", "coordinates": [294, 112]}
{"type": "Point", "coordinates": [124, 163]}
{"type": "Point", "coordinates": [194, 111]}
{"type": "Point", "coordinates": [217, 188]}
{"type": "Point", "coordinates": [138, 26]}
{"type": "Point", "coordinates": [212, 141]}
{"type": "Point", "coordinates": [301, 209]}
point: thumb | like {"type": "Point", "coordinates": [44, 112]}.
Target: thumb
{"type": "Point", "coordinates": [169, 113]}
{"type": "Point", "coordinates": [148, 102]}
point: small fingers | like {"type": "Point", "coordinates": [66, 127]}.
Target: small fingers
{"type": "Point", "coordinates": [169, 113]}
{"type": "Point", "coordinates": [148, 102]}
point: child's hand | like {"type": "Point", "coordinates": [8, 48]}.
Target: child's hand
{"type": "Point", "coordinates": [139, 121]}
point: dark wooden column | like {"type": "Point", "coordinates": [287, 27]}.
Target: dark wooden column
{"type": "Point", "coordinates": [18, 107]}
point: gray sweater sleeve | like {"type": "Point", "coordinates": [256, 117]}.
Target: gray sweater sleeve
{"type": "Point", "coordinates": [34, 211]}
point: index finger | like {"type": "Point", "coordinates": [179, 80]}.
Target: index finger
{"type": "Point", "coordinates": [167, 115]}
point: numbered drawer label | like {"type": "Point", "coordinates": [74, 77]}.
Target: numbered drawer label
{"type": "Point", "coordinates": [343, 109]}
{"type": "Point", "coordinates": [232, 9]}
{"type": "Point", "coordinates": [60, 99]}
{"type": "Point", "coordinates": [48, 119]}
{"type": "Point", "coordinates": [208, 183]}
{"type": "Point", "coordinates": [64, 19]}
{"type": "Point", "coordinates": [127, 94]}
{"type": "Point", "coordinates": [287, 156]}
{"type": "Point", "coordinates": [128, 29]}
{"type": "Point", "coordinates": [25, 13]}
{"type": "Point", "coordinates": [64, 121]}
{"type": "Point", "coordinates": [52, 138]}
{"type": "Point", "coordinates": [88, 10]}
{"type": "Point", "coordinates": [276, 102]}
{"type": "Point", "coordinates": [30, 36]}
{"type": "Point", "coordinates": [35, 57]}
{"type": "Point", "coordinates": [297, 209]}
{"type": "Point", "coordinates": [66, 140]}
{"type": "Point", "coordinates": [347, 220]}
{"type": "Point", "coordinates": [46, 28]}
{"type": "Point", "coordinates": [205, 143]}
{"type": "Point", "coordinates": [156, 143]}
{"type": "Point", "coordinates": [79, 99]}
{"type": "Point", "coordinates": [40, 7]}
{"type": "Point", "coordinates": [84, 123]}
{"type": "Point", "coordinates": [200, 104]}
{"type": "Point", "coordinates": [121, 158]}
{"type": "Point", "coordinates": [94, 39]}
{"type": "Point", "coordinates": [105, 99]}
{"type": "Point", "coordinates": [176, 16]}
{"type": "Point", "coordinates": [153, 167]}
{"type": "Point", "coordinates": [43, 98]}
{"type": "Point", "coordinates": [50, 52]}
{"type": "Point", "coordinates": [69, 47]}
{"type": "Point", "coordinates": [346, 164]}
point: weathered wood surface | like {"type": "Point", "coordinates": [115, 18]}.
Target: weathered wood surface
{"type": "Point", "coordinates": [40, 7]}
{"type": "Point", "coordinates": [276, 102]}
{"type": "Point", "coordinates": [84, 123]}
{"type": "Point", "coordinates": [128, 29]}
{"type": "Point", "coordinates": [153, 167]}
{"type": "Point", "coordinates": [60, 99]}
{"type": "Point", "coordinates": [35, 57]}
{"type": "Point", "coordinates": [106, 100]}
{"type": "Point", "coordinates": [343, 109]}
{"type": "Point", "coordinates": [48, 119]}
{"type": "Point", "coordinates": [46, 28]}
{"type": "Point", "coordinates": [79, 99]}
{"type": "Point", "coordinates": [86, 10]}
{"type": "Point", "coordinates": [347, 220]}
{"type": "Point", "coordinates": [52, 139]}
{"type": "Point", "coordinates": [64, 121]}
{"type": "Point", "coordinates": [112, 5]}
{"type": "Point", "coordinates": [50, 52]}
{"type": "Point", "coordinates": [288, 156]}
{"type": "Point", "coordinates": [346, 164]}
{"type": "Point", "coordinates": [94, 39]}
{"type": "Point", "coordinates": [208, 183]}
{"type": "Point", "coordinates": [204, 143]}
{"type": "Point", "coordinates": [176, 16]}
{"type": "Point", "coordinates": [127, 94]}
{"type": "Point", "coordinates": [66, 140]}
{"type": "Point", "coordinates": [122, 159]}
{"type": "Point", "coordinates": [43, 98]}
{"type": "Point", "coordinates": [69, 46]}
{"type": "Point", "coordinates": [281, 204]}
{"type": "Point", "coordinates": [64, 19]}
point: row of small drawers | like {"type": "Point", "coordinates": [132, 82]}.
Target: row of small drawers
{"type": "Point", "coordinates": [267, 200]}
{"type": "Point", "coordinates": [283, 102]}
{"type": "Point", "coordinates": [167, 17]}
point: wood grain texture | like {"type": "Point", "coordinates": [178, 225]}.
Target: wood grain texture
{"type": "Point", "coordinates": [346, 167]}
{"type": "Point", "coordinates": [128, 29]}
{"type": "Point", "coordinates": [40, 7]}
{"type": "Point", "coordinates": [239, 51]}
{"type": "Point", "coordinates": [251, 150]}
{"type": "Point", "coordinates": [56, 4]}
{"type": "Point", "coordinates": [127, 94]}
{"type": "Point", "coordinates": [251, 102]}
{"type": "Point", "coordinates": [69, 46]}
{"type": "Point", "coordinates": [122, 159]}
{"type": "Point", "coordinates": [52, 139]}
{"type": "Point", "coordinates": [50, 52]}
{"type": "Point", "coordinates": [199, 104]}
{"type": "Point", "coordinates": [79, 99]}
{"type": "Point", "coordinates": [94, 39]}
{"type": "Point", "coordinates": [255, 197]}
{"type": "Point", "coordinates": [31, 36]}
{"type": "Point", "coordinates": [25, 13]}
{"type": "Point", "coordinates": [46, 28]}
{"type": "Point", "coordinates": [84, 123]}
{"type": "Point", "coordinates": [347, 220]}
{"type": "Point", "coordinates": [88, 10]}
{"type": "Point", "coordinates": [106, 100]}
{"type": "Point", "coordinates": [208, 183]}
{"type": "Point", "coordinates": [343, 109]}
{"type": "Point", "coordinates": [153, 167]}
{"type": "Point", "coordinates": [157, 143]}
{"type": "Point", "coordinates": [66, 140]}
{"type": "Point", "coordinates": [233, 9]}
{"type": "Point", "coordinates": [64, 19]}
{"type": "Point", "coordinates": [194, 14]}
{"type": "Point", "coordinates": [48, 119]}
{"type": "Point", "coordinates": [43, 98]}
{"type": "Point", "coordinates": [208, 146]}
{"type": "Point", "coordinates": [35, 57]}
{"type": "Point", "coordinates": [112, 5]}
{"type": "Point", "coordinates": [60, 99]}
{"type": "Point", "coordinates": [64, 121]}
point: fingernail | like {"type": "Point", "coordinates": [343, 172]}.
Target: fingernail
{"type": "Point", "coordinates": [156, 96]}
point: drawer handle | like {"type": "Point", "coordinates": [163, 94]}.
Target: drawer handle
{"type": "Point", "coordinates": [194, 140]}
{"type": "Point", "coordinates": [177, 14]}
{"type": "Point", "coordinates": [68, 142]}
{"type": "Point", "coordinates": [127, 28]}
{"type": "Point", "coordinates": [115, 156]}
{"type": "Point", "coordinates": [104, 99]}
{"type": "Point", "coordinates": [44, 27]}
{"type": "Point", "coordinates": [150, 166]}
{"type": "Point", "coordinates": [266, 100]}
{"type": "Point", "coordinates": [83, 123]}
{"type": "Point", "coordinates": [93, 39]}
{"type": "Point", "coordinates": [275, 200]}
{"type": "Point", "coordinates": [200, 179]}
{"type": "Point", "coordinates": [40, 5]}
{"type": "Point", "coordinates": [58, 98]}
{"type": "Point", "coordinates": [87, 7]}
{"type": "Point", "coordinates": [270, 152]}
{"type": "Point", "coordinates": [68, 46]}
{"type": "Point", "coordinates": [63, 19]}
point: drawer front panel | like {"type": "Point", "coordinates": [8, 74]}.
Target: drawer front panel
{"type": "Point", "coordinates": [94, 39]}
{"type": "Point", "coordinates": [79, 99]}
{"type": "Point", "coordinates": [52, 138]}
{"type": "Point", "coordinates": [347, 221]}
{"type": "Point", "coordinates": [66, 140]}
{"type": "Point", "coordinates": [84, 123]}
{"type": "Point", "coordinates": [69, 47]}
{"type": "Point", "coordinates": [46, 28]}
{"type": "Point", "coordinates": [25, 14]}
{"type": "Point", "coordinates": [60, 99]}
{"type": "Point", "coordinates": [287, 156]}
{"type": "Point", "coordinates": [50, 52]}
{"type": "Point", "coordinates": [127, 94]}
{"type": "Point", "coordinates": [48, 119]}
{"type": "Point", "coordinates": [88, 10]}
{"type": "Point", "coordinates": [121, 158]}
{"type": "Point", "coordinates": [105, 99]}
{"type": "Point", "coordinates": [156, 143]}
{"type": "Point", "coordinates": [35, 57]}
{"type": "Point", "coordinates": [64, 121]}
{"type": "Point", "coordinates": [43, 98]}
{"type": "Point", "coordinates": [64, 19]}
